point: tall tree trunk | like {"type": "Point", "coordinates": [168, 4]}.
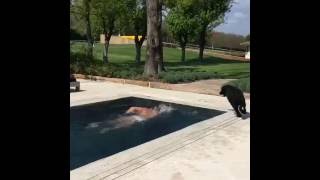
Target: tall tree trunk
{"type": "Point", "coordinates": [138, 45]}
{"type": "Point", "coordinates": [105, 52]}
{"type": "Point", "coordinates": [138, 53]}
{"type": "Point", "coordinates": [183, 42]}
{"type": "Point", "coordinates": [183, 53]}
{"type": "Point", "coordinates": [161, 64]}
{"type": "Point", "coordinates": [88, 28]}
{"type": "Point", "coordinates": [202, 42]}
{"type": "Point", "coordinates": [153, 42]}
{"type": "Point", "coordinates": [107, 37]}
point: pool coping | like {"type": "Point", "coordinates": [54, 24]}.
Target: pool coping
{"type": "Point", "coordinates": [126, 161]}
{"type": "Point", "coordinates": [202, 104]}
{"type": "Point", "coordinates": [150, 84]}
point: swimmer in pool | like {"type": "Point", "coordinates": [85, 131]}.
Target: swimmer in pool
{"type": "Point", "coordinates": [143, 112]}
{"type": "Point", "coordinates": [131, 116]}
{"type": "Point", "coordinates": [148, 113]}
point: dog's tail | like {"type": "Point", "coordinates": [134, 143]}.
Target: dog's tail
{"type": "Point", "coordinates": [242, 109]}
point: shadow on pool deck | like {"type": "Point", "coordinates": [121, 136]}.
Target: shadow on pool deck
{"type": "Point", "coordinates": [74, 91]}
{"type": "Point", "coordinates": [246, 116]}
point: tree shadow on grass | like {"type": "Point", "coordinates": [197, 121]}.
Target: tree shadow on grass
{"type": "Point", "coordinates": [236, 75]}
{"type": "Point", "coordinates": [125, 68]}
{"type": "Point", "coordinates": [132, 64]}
{"type": "Point", "coordinates": [189, 62]}
{"type": "Point", "coordinates": [206, 61]}
{"type": "Point", "coordinates": [184, 69]}
{"type": "Point", "coordinates": [170, 63]}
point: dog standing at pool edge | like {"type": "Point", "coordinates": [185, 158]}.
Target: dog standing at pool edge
{"type": "Point", "coordinates": [236, 99]}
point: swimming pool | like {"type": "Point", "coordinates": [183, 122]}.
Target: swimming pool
{"type": "Point", "coordinates": [102, 129]}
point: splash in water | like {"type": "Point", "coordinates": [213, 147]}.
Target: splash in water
{"type": "Point", "coordinates": [162, 108]}
{"type": "Point", "coordinates": [93, 125]}
{"type": "Point", "coordinates": [128, 119]}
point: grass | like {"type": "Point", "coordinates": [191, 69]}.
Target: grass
{"type": "Point", "coordinates": [243, 84]}
{"type": "Point", "coordinates": [122, 64]}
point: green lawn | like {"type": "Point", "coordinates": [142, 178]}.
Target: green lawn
{"type": "Point", "coordinates": [122, 64]}
{"type": "Point", "coordinates": [126, 53]}
{"type": "Point", "coordinates": [243, 84]}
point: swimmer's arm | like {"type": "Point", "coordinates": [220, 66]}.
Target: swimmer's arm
{"type": "Point", "coordinates": [130, 110]}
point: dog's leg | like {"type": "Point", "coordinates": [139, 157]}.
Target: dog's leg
{"type": "Point", "coordinates": [236, 109]}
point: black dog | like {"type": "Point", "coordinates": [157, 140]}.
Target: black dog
{"type": "Point", "coordinates": [72, 78]}
{"type": "Point", "coordinates": [236, 99]}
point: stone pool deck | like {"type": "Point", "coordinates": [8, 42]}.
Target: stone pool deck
{"type": "Point", "coordinates": [217, 148]}
{"type": "Point", "coordinates": [208, 86]}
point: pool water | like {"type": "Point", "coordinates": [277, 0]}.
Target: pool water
{"type": "Point", "coordinates": [102, 129]}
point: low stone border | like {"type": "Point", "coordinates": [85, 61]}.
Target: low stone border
{"type": "Point", "coordinates": [220, 55]}
{"type": "Point", "coordinates": [76, 85]}
{"type": "Point", "coordinates": [150, 84]}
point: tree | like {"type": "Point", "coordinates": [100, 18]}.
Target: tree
{"type": "Point", "coordinates": [154, 43]}
{"type": "Point", "coordinates": [210, 14]}
{"type": "Point", "coordinates": [74, 35]}
{"type": "Point", "coordinates": [182, 23]}
{"type": "Point", "coordinates": [248, 37]}
{"type": "Point", "coordinates": [137, 18]}
{"type": "Point", "coordinates": [82, 9]}
{"type": "Point", "coordinates": [167, 35]}
{"type": "Point", "coordinates": [106, 12]}
{"type": "Point", "coordinates": [226, 40]}
{"type": "Point", "coordinates": [77, 25]}
{"type": "Point", "coordinates": [160, 64]}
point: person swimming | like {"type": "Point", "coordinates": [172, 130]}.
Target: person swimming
{"type": "Point", "coordinates": [148, 113]}
{"type": "Point", "coordinates": [132, 115]}
{"type": "Point", "coordinates": [143, 112]}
